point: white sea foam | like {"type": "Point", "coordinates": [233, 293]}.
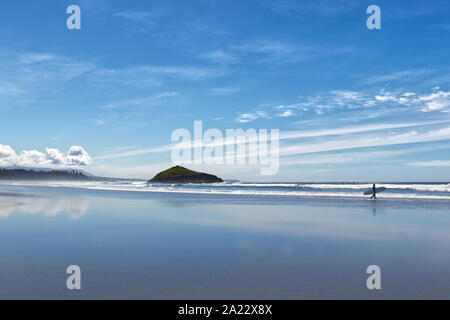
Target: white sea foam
{"type": "Point", "coordinates": [418, 187]}
{"type": "Point", "coordinates": [444, 187]}
{"type": "Point", "coordinates": [265, 185]}
{"type": "Point", "coordinates": [304, 194]}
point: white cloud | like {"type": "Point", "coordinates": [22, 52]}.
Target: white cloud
{"type": "Point", "coordinates": [77, 157]}
{"type": "Point", "coordinates": [55, 156]}
{"type": "Point", "coordinates": [382, 102]}
{"type": "Point", "coordinates": [434, 163]}
{"type": "Point", "coordinates": [285, 114]}
{"type": "Point", "coordinates": [436, 101]}
{"type": "Point", "coordinates": [32, 158]}
{"type": "Point", "coordinates": [246, 117]}
{"type": "Point", "coordinates": [6, 155]}
{"type": "Point", "coordinates": [52, 158]}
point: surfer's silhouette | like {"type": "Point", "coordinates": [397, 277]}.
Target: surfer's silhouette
{"type": "Point", "coordinates": [374, 196]}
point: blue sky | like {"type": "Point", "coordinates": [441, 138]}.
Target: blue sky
{"type": "Point", "coordinates": [350, 103]}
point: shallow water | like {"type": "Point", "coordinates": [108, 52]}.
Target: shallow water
{"type": "Point", "coordinates": [212, 246]}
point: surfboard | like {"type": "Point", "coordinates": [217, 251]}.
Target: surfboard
{"type": "Point", "coordinates": [378, 190]}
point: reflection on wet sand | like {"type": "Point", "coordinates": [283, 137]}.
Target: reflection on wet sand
{"type": "Point", "coordinates": [144, 246]}
{"type": "Point", "coordinates": [298, 220]}
{"type": "Point", "coordinates": [6, 208]}
{"type": "Point", "coordinates": [314, 219]}
{"type": "Point", "coordinates": [74, 207]}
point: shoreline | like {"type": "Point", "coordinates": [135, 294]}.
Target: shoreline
{"type": "Point", "coordinates": [222, 199]}
{"type": "Point", "coordinates": [239, 193]}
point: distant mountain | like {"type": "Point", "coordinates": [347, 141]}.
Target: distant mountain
{"type": "Point", "coordinates": [24, 173]}
{"type": "Point", "coordinates": [180, 174]}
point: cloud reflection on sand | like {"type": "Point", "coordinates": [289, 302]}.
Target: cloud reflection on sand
{"type": "Point", "coordinates": [74, 207]}
{"type": "Point", "coordinates": [6, 209]}
{"type": "Point", "coordinates": [365, 224]}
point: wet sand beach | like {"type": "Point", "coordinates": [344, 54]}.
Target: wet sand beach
{"type": "Point", "coordinates": [137, 245]}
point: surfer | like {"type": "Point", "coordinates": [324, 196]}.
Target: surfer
{"type": "Point", "coordinates": [374, 196]}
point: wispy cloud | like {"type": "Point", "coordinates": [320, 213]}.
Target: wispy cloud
{"type": "Point", "coordinates": [416, 9]}
{"type": "Point", "coordinates": [248, 117]}
{"type": "Point", "coordinates": [269, 51]}
{"type": "Point", "coordinates": [125, 112]}
{"type": "Point", "coordinates": [135, 16]}
{"type": "Point", "coordinates": [285, 114]}
{"type": "Point", "coordinates": [219, 56]}
{"type": "Point", "coordinates": [338, 7]}
{"type": "Point", "coordinates": [133, 153]}
{"type": "Point", "coordinates": [344, 157]}
{"type": "Point", "coordinates": [223, 91]}
{"type": "Point", "coordinates": [413, 136]}
{"type": "Point", "coordinates": [277, 51]}
{"type": "Point", "coordinates": [144, 76]}
{"type": "Point", "coordinates": [142, 21]}
{"type": "Point", "coordinates": [336, 139]}
{"type": "Point", "coordinates": [433, 163]}
{"type": "Point", "coordinates": [357, 129]}
{"type": "Point", "coordinates": [150, 101]}
{"type": "Point", "coordinates": [404, 75]}
{"type": "Point", "coordinates": [25, 77]}
{"type": "Point", "coordinates": [317, 7]}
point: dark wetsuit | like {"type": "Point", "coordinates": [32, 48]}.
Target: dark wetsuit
{"type": "Point", "coordinates": [374, 196]}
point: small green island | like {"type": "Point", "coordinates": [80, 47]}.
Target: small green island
{"type": "Point", "coordinates": [180, 174]}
